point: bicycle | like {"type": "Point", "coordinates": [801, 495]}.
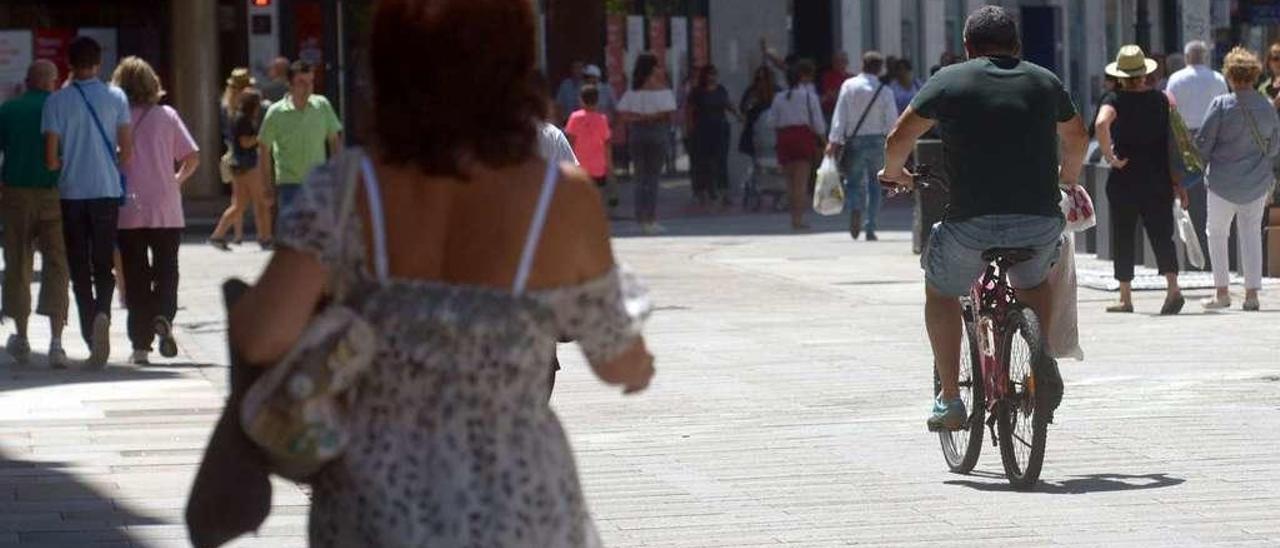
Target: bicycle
{"type": "Point", "coordinates": [1000, 352]}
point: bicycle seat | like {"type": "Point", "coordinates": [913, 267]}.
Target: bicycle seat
{"type": "Point", "coordinates": [1008, 255]}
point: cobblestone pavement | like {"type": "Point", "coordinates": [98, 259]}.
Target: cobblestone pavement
{"type": "Point", "coordinates": [792, 387]}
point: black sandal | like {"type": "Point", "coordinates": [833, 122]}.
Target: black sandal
{"type": "Point", "coordinates": [1173, 305]}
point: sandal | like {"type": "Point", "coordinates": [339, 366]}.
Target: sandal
{"type": "Point", "coordinates": [1173, 305]}
{"type": "Point", "coordinates": [1121, 308]}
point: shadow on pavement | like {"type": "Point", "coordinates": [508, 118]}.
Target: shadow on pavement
{"type": "Point", "coordinates": [1080, 485]}
{"type": "Point", "coordinates": [45, 504]}
{"type": "Point", "coordinates": [37, 374]}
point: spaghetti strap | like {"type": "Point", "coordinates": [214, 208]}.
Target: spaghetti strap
{"type": "Point", "coordinates": [376, 219]}
{"type": "Point", "coordinates": [535, 228]}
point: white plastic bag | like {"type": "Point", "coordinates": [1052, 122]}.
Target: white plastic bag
{"type": "Point", "coordinates": [1187, 233]}
{"type": "Point", "coordinates": [1064, 336]}
{"type": "Point", "coordinates": [1077, 209]}
{"type": "Point", "coordinates": [828, 193]}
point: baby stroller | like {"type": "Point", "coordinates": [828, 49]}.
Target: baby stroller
{"type": "Point", "coordinates": [764, 176]}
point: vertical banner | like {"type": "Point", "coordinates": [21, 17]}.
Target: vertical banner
{"type": "Point", "coordinates": [105, 37]}
{"type": "Point", "coordinates": [615, 59]}
{"type": "Point", "coordinates": [51, 45]}
{"type": "Point", "coordinates": [15, 57]}
{"type": "Point", "coordinates": [701, 47]}
{"type": "Point", "coordinates": [678, 58]}
{"type": "Point", "coordinates": [635, 38]}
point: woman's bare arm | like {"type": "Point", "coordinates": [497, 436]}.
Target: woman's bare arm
{"type": "Point", "coordinates": [268, 320]}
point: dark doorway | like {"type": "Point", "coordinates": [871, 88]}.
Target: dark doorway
{"type": "Point", "coordinates": [812, 25]}
{"type": "Point", "coordinates": [1040, 36]}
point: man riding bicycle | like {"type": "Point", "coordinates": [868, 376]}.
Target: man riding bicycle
{"type": "Point", "coordinates": [1001, 120]}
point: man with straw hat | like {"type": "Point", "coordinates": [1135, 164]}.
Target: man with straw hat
{"type": "Point", "coordinates": [1001, 119]}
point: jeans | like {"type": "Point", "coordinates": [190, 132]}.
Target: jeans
{"type": "Point", "coordinates": [862, 161]}
{"type": "Point", "coordinates": [1248, 218]}
{"type": "Point", "coordinates": [648, 151]}
{"type": "Point", "coordinates": [285, 195]}
{"type": "Point", "coordinates": [33, 221]}
{"type": "Point", "coordinates": [150, 259]}
{"type": "Point", "coordinates": [89, 227]}
{"type": "Point", "coordinates": [1154, 204]}
{"type": "Point", "coordinates": [953, 260]}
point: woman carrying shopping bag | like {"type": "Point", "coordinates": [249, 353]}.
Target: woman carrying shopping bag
{"type": "Point", "coordinates": [797, 115]}
{"type": "Point", "coordinates": [1241, 139]}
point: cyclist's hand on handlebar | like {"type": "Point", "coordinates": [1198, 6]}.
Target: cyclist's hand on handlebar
{"type": "Point", "coordinates": [903, 179]}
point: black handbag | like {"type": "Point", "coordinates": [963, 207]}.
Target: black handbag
{"type": "Point", "coordinates": [231, 495]}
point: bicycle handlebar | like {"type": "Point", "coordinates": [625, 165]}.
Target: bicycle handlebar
{"type": "Point", "coordinates": [924, 179]}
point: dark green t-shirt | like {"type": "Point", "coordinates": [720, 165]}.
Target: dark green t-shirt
{"type": "Point", "coordinates": [998, 118]}
{"type": "Point", "coordinates": [22, 144]}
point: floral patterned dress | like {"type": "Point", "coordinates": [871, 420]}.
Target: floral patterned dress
{"type": "Point", "coordinates": [454, 443]}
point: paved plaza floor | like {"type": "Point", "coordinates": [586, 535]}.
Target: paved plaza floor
{"type": "Point", "coordinates": [788, 409]}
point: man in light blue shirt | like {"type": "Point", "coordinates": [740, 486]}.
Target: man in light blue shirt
{"type": "Point", "coordinates": [89, 153]}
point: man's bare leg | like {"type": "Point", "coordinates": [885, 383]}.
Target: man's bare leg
{"type": "Point", "coordinates": [942, 320]}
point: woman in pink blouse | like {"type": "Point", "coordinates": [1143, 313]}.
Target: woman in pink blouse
{"type": "Point", "coordinates": [151, 219]}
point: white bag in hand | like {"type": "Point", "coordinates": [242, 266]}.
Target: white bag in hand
{"type": "Point", "coordinates": [1187, 233]}
{"type": "Point", "coordinates": [1077, 209]}
{"type": "Point", "coordinates": [828, 193]}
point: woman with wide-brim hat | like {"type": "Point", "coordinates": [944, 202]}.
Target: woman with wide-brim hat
{"type": "Point", "coordinates": [1133, 134]}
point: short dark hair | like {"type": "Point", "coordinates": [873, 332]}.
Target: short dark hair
{"type": "Point", "coordinates": [428, 114]}
{"type": "Point", "coordinates": [990, 29]}
{"type": "Point", "coordinates": [803, 68]}
{"type": "Point", "coordinates": [872, 62]}
{"type": "Point", "coordinates": [590, 95]}
{"type": "Point", "coordinates": [84, 53]}
{"type": "Point", "coordinates": [299, 67]}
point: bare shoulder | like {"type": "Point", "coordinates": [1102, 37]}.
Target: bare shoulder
{"type": "Point", "coordinates": [577, 230]}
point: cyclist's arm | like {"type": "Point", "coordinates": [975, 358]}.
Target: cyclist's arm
{"type": "Point", "coordinates": [1075, 141]}
{"type": "Point", "coordinates": [901, 142]}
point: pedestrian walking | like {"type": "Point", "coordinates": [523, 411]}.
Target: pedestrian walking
{"type": "Point", "coordinates": [864, 116]}
{"type": "Point", "coordinates": [708, 109]}
{"type": "Point", "coordinates": [588, 132]}
{"type": "Point", "coordinates": [237, 83]}
{"type": "Point", "coordinates": [87, 136]}
{"type": "Point", "coordinates": [832, 80]}
{"type": "Point", "coordinates": [248, 188]}
{"type": "Point", "coordinates": [1133, 133]}
{"type": "Point", "coordinates": [797, 115]}
{"type": "Point", "coordinates": [1193, 88]}
{"type": "Point", "coordinates": [755, 102]}
{"type": "Point", "coordinates": [453, 409]}
{"type": "Point", "coordinates": [295, 133]}
{"type": "Point", "coordinates": [32, 214]}
{"type": "Point", "coordinates": [648, 109]}
{"type": "Point", "coordinates": [151, 220]}
{"type": "Point", "coordinates": [903, 84]}
{"type": "Point", "coordinates": [606, 103]}
{"type": "Point", "coordinates": [567, 93]}
{"type": "Point", "coordinates": [277, 84]}
{"type": "Point", "coordinates": [1241, 140]}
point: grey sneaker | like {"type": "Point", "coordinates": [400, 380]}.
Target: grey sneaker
{"type": "Point", "coordinates": [19, 348]}
{"type": "Point", "coordinates": [140, 357]}
{"type": "Point", "coordinates": [947, 415]}
{"type": "Point", "coordinates": [99, 343]}
{"type": "Point", "coordinates": [58, 357]}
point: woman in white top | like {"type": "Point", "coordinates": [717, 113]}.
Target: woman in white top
{"type": "Point", "coordinates": [648, 109]}
{"type": "Point", "coordinates": [797, 113]}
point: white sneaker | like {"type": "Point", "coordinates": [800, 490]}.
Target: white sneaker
{"type": "Point", "coordinates": [140, 357]}
{"type": "Point", "coordinates": [1217, 304]}
{"type": "Point", "coordinates": [58, 358]}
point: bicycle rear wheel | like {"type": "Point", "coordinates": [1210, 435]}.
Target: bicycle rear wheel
{"type": "Point", "coordinates": [1021, 426]}
{"type": "Point", "coordinates": [961, 448]}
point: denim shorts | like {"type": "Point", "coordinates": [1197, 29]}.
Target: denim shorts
{"type": "Point", "coordinates": [953, 260]}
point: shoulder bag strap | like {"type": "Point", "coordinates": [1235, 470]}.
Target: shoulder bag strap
{"type": "Point", "coordinates": [1253, 130]}
{"type": "Point", "coordinates": [865, 112]}
{"type": "Point", "coordinates": [535, 228]}
{"type": "Point", "coordinates": [106, 141]}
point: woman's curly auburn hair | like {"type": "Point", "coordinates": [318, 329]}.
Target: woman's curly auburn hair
{"type": "Point", "coordinates": [1242, 66]}
{"type": "Point", "coordinates": [454, 82]}
{"type": "Point", "coordinates": [138, 81]}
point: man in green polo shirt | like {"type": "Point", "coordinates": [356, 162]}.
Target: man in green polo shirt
{"type": "Point", "coordinates": [295, 131]}
{"type": "Point", "coordinates": [32, 213]}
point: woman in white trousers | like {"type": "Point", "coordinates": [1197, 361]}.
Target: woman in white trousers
{"type": "Point", "coordinates": [1241, 139]}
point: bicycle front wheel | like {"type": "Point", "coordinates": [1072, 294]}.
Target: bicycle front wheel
{"type": "Point", "coordinates": [1022, 427]}
{"type": "Point", "coordinates": [961, 448]}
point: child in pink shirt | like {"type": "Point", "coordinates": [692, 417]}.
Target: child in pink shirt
{"type": "Point", "coordinates": [588, 132]}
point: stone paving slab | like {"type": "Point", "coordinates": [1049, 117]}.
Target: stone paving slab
{"type": "Point", "coordinates": [792, 385]}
